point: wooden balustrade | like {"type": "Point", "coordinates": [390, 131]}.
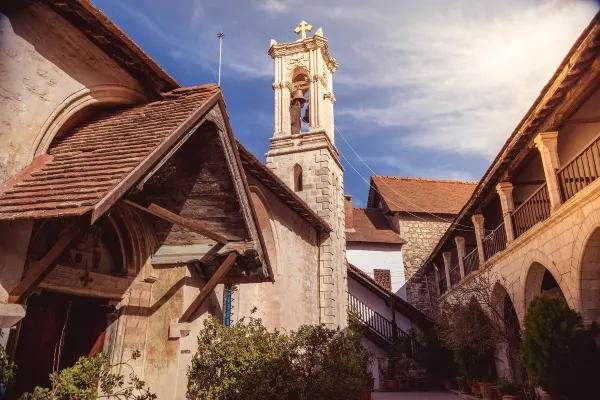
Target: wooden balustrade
{"type": "Point", "coordinates": [471, 261]}
{"type": "Point", "coordinates": [455, 275]}
{"type": "Point", "coordinates": [377, 322]}
{"type": "Point", "coordinates": [443, 285]}
{"type": "Point", "coordinates": [495, 242]}
{"type": "Point", "coordinates": [533, 210]}
{"type": "Point", "coordinates": [580, 171]}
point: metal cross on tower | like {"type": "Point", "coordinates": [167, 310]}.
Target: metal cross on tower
{"type": "Point", "coordinates": [303, 28]}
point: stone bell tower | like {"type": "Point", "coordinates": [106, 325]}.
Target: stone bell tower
{"type": "Point", "coordinates": [302, 153]}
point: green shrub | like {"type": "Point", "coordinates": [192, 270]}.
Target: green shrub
{"type": "Point", "coordinates": [248, 362]}
{"type": "Point", "coordinates": [507, 388]}
{"type": "Point", "coordinates": [559, 354]}
{"type": "Point", "coordinates": [81, 382]}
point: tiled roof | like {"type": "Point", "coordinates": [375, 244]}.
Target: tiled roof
{"type": "Point", "coordinates": [407, 309]}
{"type": "Point", "coordinates": [371, 226]}
{"type": "Point", "coordinates": [86, 164]}
{"type": "Point", "coordinates": [253, 166]}
{"type": "Point", "coordinates": [419, 195]}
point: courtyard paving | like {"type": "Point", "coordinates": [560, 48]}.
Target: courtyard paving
{"type": "Point", "coordinates": [414, 396]}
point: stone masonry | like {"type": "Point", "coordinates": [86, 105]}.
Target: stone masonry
{"type": "Point", "coordinates": [421, 234]}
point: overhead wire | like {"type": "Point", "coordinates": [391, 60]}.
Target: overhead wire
{"type": "Point", "coordinates": [394, 191]}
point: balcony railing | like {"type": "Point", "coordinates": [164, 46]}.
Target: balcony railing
{"type": "Point", "coordinates": [495, 242]}
{"type": "Point", "coordinates": [580, 171]}
{"type": "Point", "coordinates": [533, 210]}
{"type": "Point", "coordinates": [471, 261]}
{"type": "Point", "coordinates": [443, 285]}
{"type": "Point", "coordinates": [455, 275]}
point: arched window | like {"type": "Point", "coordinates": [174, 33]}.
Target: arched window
{"type": "Point", "coordinates": [297, 178]}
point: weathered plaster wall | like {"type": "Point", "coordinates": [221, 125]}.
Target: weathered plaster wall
{"type": "Point", "coordinates": [293, 299]}
{"type": "Point", "coordinates": [44, 62]}
{"type": "Point", "coordinates": [422, 233]}
{"type": "Point", "coordinates": [370, 256]}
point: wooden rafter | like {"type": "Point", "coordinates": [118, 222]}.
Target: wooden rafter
{"type": "Point", "coordinates": [209, 287]}
{"type": "Point", "coordinates": [169, 216]}
{"type": "Point", "coordinates": [44, 266]}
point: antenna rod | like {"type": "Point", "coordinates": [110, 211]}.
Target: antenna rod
{"type": "Point", "coordinates": [221, 35]}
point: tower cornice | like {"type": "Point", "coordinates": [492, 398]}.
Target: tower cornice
{"type": "Point", "coordinates": [312, 43]}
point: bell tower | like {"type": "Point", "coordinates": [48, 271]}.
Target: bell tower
{"type": "Point", "coordinates": [302, 153]}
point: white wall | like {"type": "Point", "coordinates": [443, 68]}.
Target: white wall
{"type": "Point", "coordinates": [371, 256]}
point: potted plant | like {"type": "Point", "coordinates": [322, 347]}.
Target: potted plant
{"type": "Point", "coordinates": [366, 395]}
{"type": "Point", "coordinates": [389, 377]}
{"type": "Point", "coordinates": [475, 389]}
{"type": "Point", "coordinates": [448, 384]}
{"type": "Point", "coordinates": [463, 385]}
{"type": "Point", "coordinates": [508, 390]}
{"type": "Point", "coordinates": [485, 389]}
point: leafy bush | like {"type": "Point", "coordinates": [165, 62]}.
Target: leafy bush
{"type": "Point", "coordinates": [82, 381]}
{"type": "Point", "coordinates": [8, 369]}
{"type": "Point", "coordinates": [246, 361]}
{"type": "Point", "coordinates": [507, 388]}
{"type": "Point", "coordinates": [468, 332]}
{"type": "Point", "coordinates": [558, 352]}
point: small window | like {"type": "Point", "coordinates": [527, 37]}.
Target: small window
{"type": "Point", "coordinates": [297, 178]}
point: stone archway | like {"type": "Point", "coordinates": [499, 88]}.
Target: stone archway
{"type": "Point", "coordinates": [589, 279]}
{"type": "Point", "coordinates": [539, 279]}
{"type": "Point", "coordinates": [507, 353]}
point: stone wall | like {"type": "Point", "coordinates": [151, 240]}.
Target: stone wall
{"type": "Point", "coordinates": [422, 232]}
{"type": "Point", "coordinates": [49, 71]}
{"type": "Point", "coordinates": [323, 189]}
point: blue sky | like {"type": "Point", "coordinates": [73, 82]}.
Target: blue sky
{"type": "Point", "coordinates": [428, 89]}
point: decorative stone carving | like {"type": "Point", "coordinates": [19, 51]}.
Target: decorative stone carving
{"type": "Point", "coordinates": [294, 61]}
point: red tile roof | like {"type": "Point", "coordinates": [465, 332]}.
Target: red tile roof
{"type": "Point", "coordinates": [420, 195]}
{"type": "Point", "coordinates": [86, 164]}
{"type": "Point", "coordinates": [371, 226]}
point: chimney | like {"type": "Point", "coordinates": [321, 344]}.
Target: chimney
{"type": "Point", "coordinates": [383, 277]}
{"type": "Point", "coordinates": [348, 212]}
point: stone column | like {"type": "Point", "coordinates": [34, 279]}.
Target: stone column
{"type": "Point", "coordinates": [448, 264]}
{"type": "Point", "coordinates": [504, 190]}
{"type": "Point", "coordinates": [547, 144]}
{"type": "Point", "coordinates": [460, 247]}
{"type": "Point", "coordinates": [436, 273]}
{"type": "Point", "coordinates": [478, 221]}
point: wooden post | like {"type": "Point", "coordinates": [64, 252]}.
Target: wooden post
{"type": "Point", "coordinates": [209, 287]}
{"type": "Point", "coordinates": [167, 215]}
{"type": "Point", "coordinates": [448, 265]}
{"type": "Point", "coordinates": [460, 249]}
{"type": "Point", "coordinates": [478, 223]}
{"type": "Point", "coordinates": [44, 266]}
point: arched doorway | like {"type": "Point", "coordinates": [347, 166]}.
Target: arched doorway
{"type": "Point", "coordinates": [507, 354]}
{"type": "Point", "coordinates": [590, 279]}
{"type": "Point", "coordinates": [540, 280]}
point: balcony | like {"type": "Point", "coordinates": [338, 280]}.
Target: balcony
{"type": "Point", "coordinates": [471, 261]}
{"type": "Point", "coordinates": [580, 171]}
{"type": "Point", "coordinates": [533, 210]}
{"type": "Point", "coordinates": [495, 242]}
{"type": "Point", "coordinates": [455, 275]}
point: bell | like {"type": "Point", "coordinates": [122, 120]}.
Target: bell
{"type": "Point", "coordinates": [298, 95]}
{"type": "Point", "coordinates": [306, 118]}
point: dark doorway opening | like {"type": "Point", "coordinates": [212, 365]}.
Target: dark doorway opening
{"type": "Point", "coordinates": [57, 330]}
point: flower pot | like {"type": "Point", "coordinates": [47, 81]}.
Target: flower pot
{"type": "Point", "coordinates": [462, 384]}
{"type": "Point", "coordinates": [404, 384]}
{"type": "Point", "coordinates": [366, 395]}
{"type": "Point", "coordinates": [448, 384]}
{"type": "Point", "coordinates": [391, 385]}
{"type": "Point", "coordinates": [509, 397]}
{"type": "Point", "coordinates": [475, 389]}
{"type": "Point", "coordinates": [547, 397]}
{"type": "Point", "coordinates": [486, 390]}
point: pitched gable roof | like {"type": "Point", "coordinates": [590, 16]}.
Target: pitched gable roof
{"type": "Point", "coordinates": [420, 195]}
{"type": "Point", "coordinates": [98, 160]}
{"type": "Point", "coordinates": [371, 226]}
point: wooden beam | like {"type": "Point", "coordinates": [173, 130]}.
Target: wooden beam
{"type": "Point", "coordinates": [209, 287]}
{"type": "Point", "coordinates": [44, 266]}
{"type": "Point", "coordinates": [169, 216]}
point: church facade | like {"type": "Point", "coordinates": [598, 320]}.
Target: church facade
{"type": "Point", "coordinates": [129, 212]}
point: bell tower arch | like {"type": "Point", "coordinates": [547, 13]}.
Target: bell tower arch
{"type": "Point", "coordinates": [302, 147]}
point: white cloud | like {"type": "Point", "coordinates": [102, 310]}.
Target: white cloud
{"type": "Point", "coordinates": [273, 6]}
